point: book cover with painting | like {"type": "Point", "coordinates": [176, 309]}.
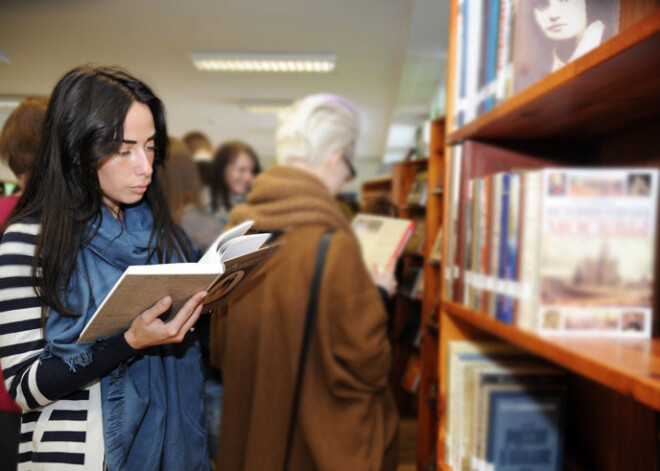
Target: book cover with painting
{"type": "Point", "coordinates": [598, 237]}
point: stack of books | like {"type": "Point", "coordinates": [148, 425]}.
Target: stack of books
{"type": "Point", "coordinates": [505, 410]}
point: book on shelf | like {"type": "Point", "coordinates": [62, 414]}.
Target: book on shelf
{"type": "Point", "coordinates": [417, 194]}
{"type": "Point", "coordinates": [230, 261]}
{"type": "Point", "coordinates": [469, 161]}
{"type": "Point", "coordinates": [458, 353]}
{"type": "Point", "coordinates": [479, 370]}
{"type": "Point", "coordinates": [545, 41]}
{"type": "Point", "coordinates": [436, 250]}
{"type": "Point", "coordinates": [525, 428]}
{"type": "Point", "coordinates": [510, 376]}
{"type": "Point", "coordinates": [597, 251]}
{"type": "Point", "coordinates": [574, 250]}
{"type": "Point", "coordinates": [412, 283]}
{"type": "Point", "coordinates": [382, 239]}
{"type": "Point", "coordinates": [412, 326]}
{"type": "Point", "coordinates": [504, 46]}
{"type": "Point", "coordinates": [416, 242]}
{"type": "Point", "coordinates": [412, 374]}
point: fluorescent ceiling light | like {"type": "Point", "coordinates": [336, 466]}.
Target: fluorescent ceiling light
{"type": "Point", "coordinates": [264, 106]}
{"type": "Point", "coordinates": [263, 62]}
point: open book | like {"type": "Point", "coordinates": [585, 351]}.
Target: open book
{"type": "Point", "coordinates": [381, 238]}
{"type": "Point", "coordinates": [227, 264]}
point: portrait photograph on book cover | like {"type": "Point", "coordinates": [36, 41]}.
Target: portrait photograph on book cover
{"type": "Point", "coordinates": [551, 33]}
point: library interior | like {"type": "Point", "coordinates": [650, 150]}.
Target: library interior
{"type": "Point", "coordinates": [349, 243]}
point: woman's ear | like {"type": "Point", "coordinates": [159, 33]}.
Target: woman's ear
{"type": "Point", "coordinates": [335, 158]}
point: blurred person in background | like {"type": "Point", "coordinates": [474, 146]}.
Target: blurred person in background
{"type": "Point", "coordinates": [202, 152]}
{"type": "Point", "coordinates": [234, 166]}
{"type": "Point", "coordinates": [19, 144]}
{"type": "Point", "coordinates": [182, 188]}
{"type": "Point", "coordinates": [347, 419]}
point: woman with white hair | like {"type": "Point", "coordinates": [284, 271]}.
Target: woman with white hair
{"type": "Point", "coordinates": [346, 416]}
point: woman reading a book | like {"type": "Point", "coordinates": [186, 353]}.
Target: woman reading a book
{"type": "Point", "coordinates": [347, 419]}
{"type": "Point", "coordinates": [92, 208]}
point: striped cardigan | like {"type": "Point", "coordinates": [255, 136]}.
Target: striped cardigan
{"type": "Point", "coordinates": [62, 426]}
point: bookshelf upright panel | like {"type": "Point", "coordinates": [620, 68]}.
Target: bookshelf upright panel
{"type": "Point", "coordinates": [428, 388]}
{"type": "Point", "coordinates": [601, 109]}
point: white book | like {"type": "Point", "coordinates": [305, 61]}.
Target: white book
{"type": "Point", "coordinates": [227, 264]}
{"type": "Point", "coordinates": [597, 251]}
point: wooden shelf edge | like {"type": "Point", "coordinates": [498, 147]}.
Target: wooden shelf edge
{"type": "Point", "coordinates": [561, 350]}
{"type": "Point", "coordinates": [378, 180]}
{"type": "Point", "coordinates": [415, 162]}
{"type": "Point", "coordinates": [412, 207]}
{"type": "Point", "coordinates": [644, 30]}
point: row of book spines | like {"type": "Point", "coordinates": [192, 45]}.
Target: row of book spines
{"type": "Point", "coordinates": [484, 57]}
{"type": "Point", "coordinates": [492, 232]}
{"type": "Point", "coordinates": [504, 368]}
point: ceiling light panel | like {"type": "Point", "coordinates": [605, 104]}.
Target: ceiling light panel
{"type": "Point", "coordinates": [264, 63]}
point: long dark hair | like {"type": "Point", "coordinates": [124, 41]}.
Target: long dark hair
{"type": "Point", "coordinates": [180, 179]}
{"type": "Point", "coordinates": [226, 154]}
{"type": "Point", "coordinates": [85, 124]}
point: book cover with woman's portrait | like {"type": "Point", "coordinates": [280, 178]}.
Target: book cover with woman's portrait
{"type": "Point", "coordinates": [551, 33]}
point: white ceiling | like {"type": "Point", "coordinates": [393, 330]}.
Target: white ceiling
{"type": "Point", "coordinates": [373, 40]}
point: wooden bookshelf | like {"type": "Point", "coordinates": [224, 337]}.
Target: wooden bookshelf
{"type": "Point", "coordinates": [629, 366]}
{"type": "Point", "coordinates": [590, 97]}
{"type": "Point", "coordinates": [376, 196]}
{"type": "Point", "coordinates": [605, 108]}
{"type": "Point", "coordinates": [429, 386]}
{"type": "Point", "coordinates": [403, 177]}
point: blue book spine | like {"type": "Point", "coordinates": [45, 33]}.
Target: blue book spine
{"type": "Point", "coordinates": [511, 262]}
{"type": "Point", "coordinates": [525, 429]}
{"type": "Point", "coordinates": [491, 65]}
{"type": "Point", "coordinates": [463, 52]}
{"type": "Point", "coordinates": [504, 225]}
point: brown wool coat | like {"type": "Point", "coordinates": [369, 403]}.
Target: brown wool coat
{"type": "Point", "coordinates": [347, 418]}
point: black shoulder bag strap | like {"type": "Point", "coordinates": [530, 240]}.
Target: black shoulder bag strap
{"type": "Point", "coordinates": [307, 333]}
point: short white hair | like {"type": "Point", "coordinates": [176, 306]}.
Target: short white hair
{"type": "Point", "coordinates": [314, 128]}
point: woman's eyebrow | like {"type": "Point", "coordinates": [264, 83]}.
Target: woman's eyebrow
{"type": "Point", "coordinates": [128, 141]}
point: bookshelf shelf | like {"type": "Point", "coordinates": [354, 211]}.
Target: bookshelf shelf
{"type": "Point", "coordinates": [628, 366]}
{"type": "Point", "coordinates": [592, 96]}
{"type": "Point", "coordinates": [412, 207]}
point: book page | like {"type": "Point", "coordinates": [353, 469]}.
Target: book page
{"type": "Point", "coordinates": [242, 245]}
{"type": "Point", "coordinates": [381, 238]}
{"type": "Point", "coordinates": [211, 255]}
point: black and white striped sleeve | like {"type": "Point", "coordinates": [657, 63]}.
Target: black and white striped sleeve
{"type": "Point", "coordinates": [32, 382]}
{"type": "Point", "coordinates": [21, 339]}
